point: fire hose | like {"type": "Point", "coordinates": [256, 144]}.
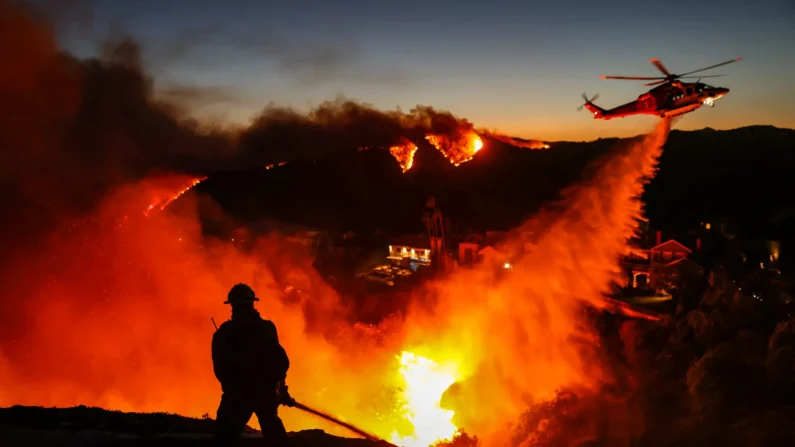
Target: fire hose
{"type": "Point", "coordinates": [334, 420]}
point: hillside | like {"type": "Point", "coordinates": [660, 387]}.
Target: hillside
{"type": "Point", "coordinates": [82, 426]}
{"type": "Point", "coordinates": [740, 175]}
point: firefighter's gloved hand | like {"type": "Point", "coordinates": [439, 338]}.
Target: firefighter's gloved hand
{"type": "Point", "coordinates": [286, 399]}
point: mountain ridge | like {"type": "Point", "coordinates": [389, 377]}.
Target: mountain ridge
{"type": "Point", "coordinates": [503, 184]}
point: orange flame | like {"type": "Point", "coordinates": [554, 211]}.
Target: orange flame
{"type": "Point", "coordinates": [474, 359]}
{"type": "Point", "coordinates": [458, 148]}
{"type": "Point", "coordinates": [275, 165]}
{"type": "Point", "coordinates": [404, 154]}
{"type": "Point", "coordinates": [165, 198]}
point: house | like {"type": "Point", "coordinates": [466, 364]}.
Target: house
{"type": "Point", "coordinates": [669, 251]}
{"type": "Point", "coordinates": [655, 268]}
{"type": "Point", "coordinates": [413, 251]}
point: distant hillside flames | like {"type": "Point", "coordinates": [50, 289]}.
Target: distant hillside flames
{"type": "Point", "coordinates": [165, 192]}
{"type": "Point", "coordinates": [404, 154]}
{"type": "Point", "coordinates": [457, 148]}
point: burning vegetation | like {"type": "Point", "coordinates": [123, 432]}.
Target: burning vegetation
{"type": "Point", "coordinates": [166, 195]}
{"type": "Point", "coordinates": [457, 148]}
{"type": "Point", "coordinates": [110, 308]}
{"type": "Point", "coordinates": [404, 154]}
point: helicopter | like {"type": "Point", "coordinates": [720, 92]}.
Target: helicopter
{"type": "Point", "coordinates": [670, 98]}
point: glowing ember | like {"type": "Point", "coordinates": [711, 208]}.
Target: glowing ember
{"type": "Point", "coordinates": [425, 382]}
{"type": "Point", "coordinates": [163, 201]}
{"type": "Point", "coordinates": [404, 154]}
{"type": "Point", "coordinates": [459, 150]}
{"type": "Point", "coordinates": [275, 165]}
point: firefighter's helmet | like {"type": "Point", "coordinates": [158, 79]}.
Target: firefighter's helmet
{"type": "Point", "coordinates": [241, 293]}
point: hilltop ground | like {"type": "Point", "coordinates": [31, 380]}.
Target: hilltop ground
{"type": "Point", "coordinates": [83, 426]}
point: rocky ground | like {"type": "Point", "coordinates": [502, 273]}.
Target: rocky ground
{"type": "Point", "coordinates": [95, 427]}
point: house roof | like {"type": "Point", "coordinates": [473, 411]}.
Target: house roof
{"type": "Point", "coordinates": [674, 245]}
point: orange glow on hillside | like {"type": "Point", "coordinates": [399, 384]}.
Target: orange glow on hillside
{"type": "Point", "coordinates": [165, 195]}
{"type": "Point", "coordinates": [458, 148]}
{"type": "Point", "coordinates": [404, 154]}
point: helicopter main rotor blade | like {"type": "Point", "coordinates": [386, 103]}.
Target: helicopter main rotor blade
{"type": "Point", "coordinates": [699, 77]}
{"type": "Point", "coordinates": [656, 62]}
{"type": "Point", "coordinates": [655, 83]}
{"type": "Point", "coordinates": [633, 78]}
{"type": "Point", "coordinates": [711, 66]}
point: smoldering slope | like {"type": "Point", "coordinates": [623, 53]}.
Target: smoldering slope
{"type": "Point", "coordinates": [106, 307]}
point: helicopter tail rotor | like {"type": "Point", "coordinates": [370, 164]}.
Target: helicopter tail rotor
{"type": "Point", "coordinates": [587, 101]}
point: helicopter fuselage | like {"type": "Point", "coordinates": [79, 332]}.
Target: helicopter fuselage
{"type": "Point", "coordinates": [670, 97]}
{"type": "Point", "coordinates": [665, 101]}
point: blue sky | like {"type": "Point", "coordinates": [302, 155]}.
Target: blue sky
{"type": "Point", "coordinates": [516, 66]}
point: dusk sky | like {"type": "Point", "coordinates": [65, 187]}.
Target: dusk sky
{"type": "Point", "coordinates": [516, 66]}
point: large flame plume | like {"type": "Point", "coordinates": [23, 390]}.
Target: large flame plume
{"type": "Point", "coordinates": [108, 307]}
{"type": "Point", "coordinates": [425, 382]}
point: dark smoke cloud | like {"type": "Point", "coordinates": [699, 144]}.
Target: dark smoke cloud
{"type": "Point", "coordinates": [67, 18]}
{"type": "Point", "coordinates": [194, 97]}
{"type": "Point", "coordinates": [72, 130]}
{"type": "Point", "coordinates": [281, 133]}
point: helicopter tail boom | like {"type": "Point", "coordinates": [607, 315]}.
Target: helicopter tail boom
{"type": "Point", "coordinates": [597, 111]}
